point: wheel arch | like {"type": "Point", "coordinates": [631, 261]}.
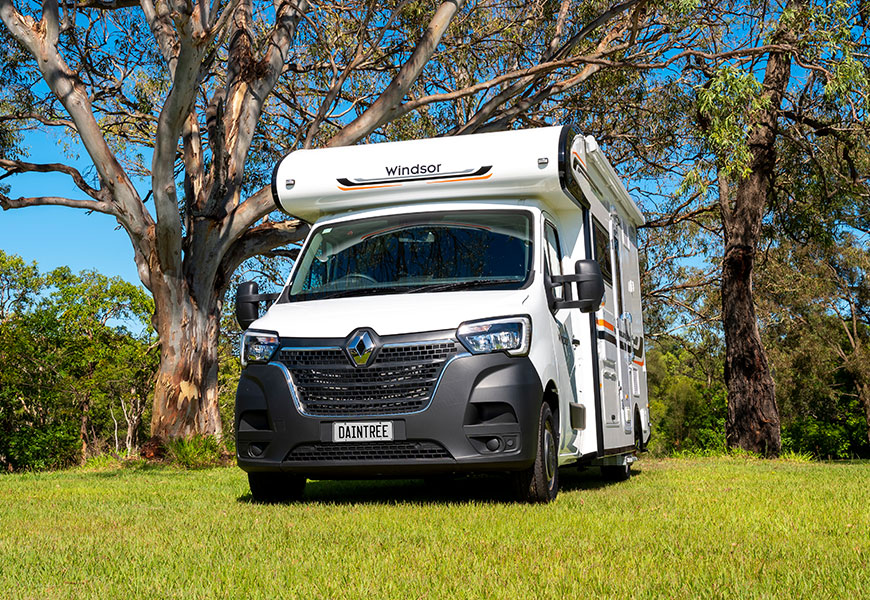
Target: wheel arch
{"type": "Point", "coordinates": [551, 397]}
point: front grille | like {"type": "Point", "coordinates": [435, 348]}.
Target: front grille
{"type": "Point", "coordinates": [400, 379]}
{"type": "Point", "coordinates": [368, 451]}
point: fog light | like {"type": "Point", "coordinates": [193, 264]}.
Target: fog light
{"type": "Point", "coordinates": [256, 450]}
{"type": "Point", "coordinates": [493, 444]}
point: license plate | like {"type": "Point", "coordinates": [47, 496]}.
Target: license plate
{"type": "Point", "coordinates": [369, 431]}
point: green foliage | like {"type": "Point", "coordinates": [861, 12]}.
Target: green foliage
{"type": "Point", "coordinates": [50, 445]}
{"type": "Point", "coordinates": [687, 399]}
{"type": "Point", "coordinates": [197, 452]}
{"type": "Point", "coordinates": [70, 366]}
{"type": "Point", "coordinates": [728, 101]}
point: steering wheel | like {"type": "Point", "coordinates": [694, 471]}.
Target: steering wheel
{"type": "Point", "coordinates": [362, 276]}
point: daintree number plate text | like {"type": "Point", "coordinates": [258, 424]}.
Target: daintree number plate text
{"type": "Point", "coordinates": [380, 431]}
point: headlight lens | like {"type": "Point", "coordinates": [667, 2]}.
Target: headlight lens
{"type": "Point", "coordinates": [511, 335]}
{"type": "Point", "coordinates": [258, 346]}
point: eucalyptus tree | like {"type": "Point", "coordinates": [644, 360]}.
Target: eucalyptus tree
{"type": "Point", "coordinates": [194, 101]}
{"type": "Point", "coordinates": [762, 116]}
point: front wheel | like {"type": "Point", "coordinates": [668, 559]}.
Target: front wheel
{"type": "Point", "coordinates": [275, 488]}
{"type": "Point", "coordinates": [540, 482]}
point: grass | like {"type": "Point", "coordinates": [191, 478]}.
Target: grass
{"type": "Point", "coordinates": [681, 528]}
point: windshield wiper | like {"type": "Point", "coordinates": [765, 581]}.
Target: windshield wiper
{"type": "Point", "coordinates": [459, 285]}
{"type": "Point", "coordinates": [368, 291]}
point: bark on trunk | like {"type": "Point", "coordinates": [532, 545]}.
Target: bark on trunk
{"type": "Point", "coordinates": [856, 366]}
{"type": "Point", "coordinates": [753, 416]}
{"type": "Point", "coordinates": [186, 393]}
{"type": "Point", "coordinates": [133, 417]}
{"type": "Point", "coordinates": [83, 428]}
{"type": "Point", "coordinates": [864, 395]}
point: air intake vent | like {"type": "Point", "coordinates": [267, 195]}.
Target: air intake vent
{"type": "Point", "coordinates": [369, 452]}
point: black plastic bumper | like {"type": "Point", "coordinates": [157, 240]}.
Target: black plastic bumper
{"type": "Point", "coordinates": [482, 417]}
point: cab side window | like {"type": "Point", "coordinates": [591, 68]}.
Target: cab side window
{"type": "Point", "coordinates": [554, 255]}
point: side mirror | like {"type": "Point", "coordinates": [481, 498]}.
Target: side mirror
{"type": "Point", "coordinates": [247, 303]}
{"type": "Point", "coordinates": [248, 298]}
{"type": "Point", "coordinates": [590, 286]}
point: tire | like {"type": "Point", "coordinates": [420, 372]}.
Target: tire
{"type": "Point", "coordinates": [638, 433]}
{"type": "Point", "coordinates": [275, 488]}
{"type": "Point", "coordinates": [616, 472]}
{"type": "Point", "coordinates": [539, 483]}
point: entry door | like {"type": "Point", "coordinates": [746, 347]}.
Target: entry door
{"type": "Point", "coordinates": [605, 317]}
{"type": "Point", "coordinates": [623, 325]}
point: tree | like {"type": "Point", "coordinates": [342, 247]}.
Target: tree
{"type": "Point", "coordinates": [67, 357]}
{"type": "Point", "coordinates": [816, 295]}
{"type": "Point", "coordinates": [214, 92]}
{"type": "Point", "coordinates": [755, 128]}
{"type": "Point", "coordinates": [97, 356]}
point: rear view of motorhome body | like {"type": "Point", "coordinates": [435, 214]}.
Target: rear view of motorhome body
{"type": "Point", "coordinates": [466, 304]}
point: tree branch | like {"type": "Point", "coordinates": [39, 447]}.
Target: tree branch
{"type": "Point", "coordinates": [68, 89]}
{"type": "Point", "coordinates": [14, 166]}
{"type": "Point", "coordinates": [385, 107]}
{"type": "Point", "coordinates": [97, 205]}
{"type": "Point", "coordinates": [260, 239]}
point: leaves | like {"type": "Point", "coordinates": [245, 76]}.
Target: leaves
{"type": "Point", "coordinates": [68, 341]}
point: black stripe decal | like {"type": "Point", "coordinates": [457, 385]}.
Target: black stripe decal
{"type": "Point", "coordinates": [623, 345]}
{"type": "Point", "coordinates": [446, 177]}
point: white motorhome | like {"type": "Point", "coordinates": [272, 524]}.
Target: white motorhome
{"type": "Point", "coordinates": [461, 304]}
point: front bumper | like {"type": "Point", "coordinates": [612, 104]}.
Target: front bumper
{"type": "Point", "coordinates": [478, 399]}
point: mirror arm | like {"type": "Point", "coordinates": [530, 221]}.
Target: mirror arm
{"type": "Point", "coordinates": [560, 304]}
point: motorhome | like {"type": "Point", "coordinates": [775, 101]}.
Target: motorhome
{"type": "Point", "coordinates": [460, 305]}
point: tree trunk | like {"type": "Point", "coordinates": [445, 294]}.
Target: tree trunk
{"type": "Point", "coordinates": [83, 429]}
{"type": "Point", "coordinates": [186, 392]}
{"type": "Point", "coordinates": [864, 395]}
{"type": "Point", "coordinates": [753, 417]}
{"type": "Point", "coordinates": [133, 417]}
{"type": "Point", "coordinates": [856, 366]}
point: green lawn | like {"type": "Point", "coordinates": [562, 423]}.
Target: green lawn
{"type": "Point", "coordinates": [705, 528]}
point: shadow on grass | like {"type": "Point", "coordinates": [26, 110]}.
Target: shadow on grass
{"type": "Point", "coordinates": [441, 490]}
{"type": "Point", "coordinates": [155, 468]}
{"type": "Point", "coordinates": [476, 489]}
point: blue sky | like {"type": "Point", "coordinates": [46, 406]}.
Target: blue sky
{"type": "Point", "coordinates": [54, 236]}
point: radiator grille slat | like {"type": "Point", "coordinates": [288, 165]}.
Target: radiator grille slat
{"type": "Point", "coordinates": [400, 379]}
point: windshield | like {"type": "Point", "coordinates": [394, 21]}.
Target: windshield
{"type": "Point", "coordinates": [426, 252]}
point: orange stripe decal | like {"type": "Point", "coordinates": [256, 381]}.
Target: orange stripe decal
{"type": "Point", "coordinates": [605, 324]}
{"type": "Point", "coordinates": [578, 158]}
{"type": "Point", "coordinates": [462, 179]}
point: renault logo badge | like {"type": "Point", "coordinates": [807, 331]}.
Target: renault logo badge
{"type": "Point", "coordinates": [360, 347]}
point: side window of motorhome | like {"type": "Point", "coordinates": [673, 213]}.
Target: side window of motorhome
{"type": "Point", "coordinates": [602, 251]}
{"type": "Point", "coordinates": [554, 255]}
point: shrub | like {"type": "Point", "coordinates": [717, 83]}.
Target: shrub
{"type": "Point", "coordinates": [38, 448]}
{"type": "Point", "coordinates": [196, 452]}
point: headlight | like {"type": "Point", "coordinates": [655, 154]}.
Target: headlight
{"type": "Point", "coordinates": [258, 346]}
{"type": "Point", "coordinates": [511, 335]}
